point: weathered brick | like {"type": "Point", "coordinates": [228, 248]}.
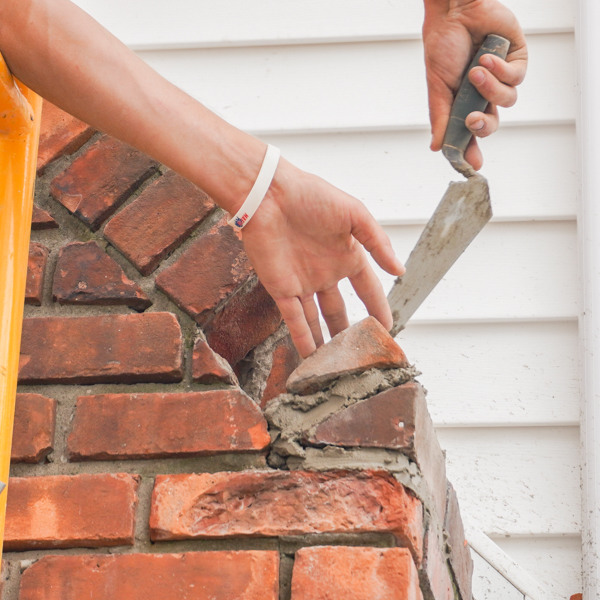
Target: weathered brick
{"type": "Point", "coordinates": [363, 346]}
{"type": "Point", "coordinates": [243, 575]}
{"type": "Point", "coordinates": [396, 419]}
{"type": "Point", "coordinates": [209, 367]}
{"type": "Point", "coordinates": [101, 179]}
{"type": "Point", "coordinates": [348, 573]}
{"type": "Point", "coordinates": [111, 348]}
{"type": "Point", "coordinates": [33, 431]}
{"type": "Point", "coordinates": [85, 274]}
{"type": "Point", "coordinates": [36, 271]}
{"type": "Point", "coordinates": [40, 219]}
{"type": "Point", "coordinates": [68, 511]}
{"type": "Point", "coordinates": [121, 426]}
{"type": "Point", "coordinates": [285, 360]}
{"type": "Point", "coordinates": [156, 222]}
{"type": "Point", "coordinates": [460, 554]}
{"type": "Point", "coordinates": [272, 503]}
{"type": "Point", "coordinates": [60, 134]}
{"type": "Point", "coordinates": [249, 318]}
{"type": "Point", "coordinates": [435, 567]}
{"type": "Point", "coordinates": [209, 271]}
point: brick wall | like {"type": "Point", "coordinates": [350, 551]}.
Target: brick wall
{"type": "Point", "coordinates": [157, 452]}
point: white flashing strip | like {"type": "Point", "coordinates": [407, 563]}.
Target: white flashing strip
{"type": "Point", "coordinates": [588, 136]}
{"type": "Point", "coordinates": [505, 565]}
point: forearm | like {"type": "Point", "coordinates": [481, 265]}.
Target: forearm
{"type": "Point", "coordinates": [60, 52]}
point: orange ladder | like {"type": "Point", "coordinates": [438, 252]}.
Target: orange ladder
{"type": "Point", "coordinates": [20, 113]}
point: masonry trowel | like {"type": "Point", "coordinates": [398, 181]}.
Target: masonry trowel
{"type": "Point", "coordinates": [462, 212]}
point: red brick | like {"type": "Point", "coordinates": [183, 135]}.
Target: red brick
{"type": "Point", "coordinates": [107, 349]}
{"type": "Point", "coordinates": [33, 431]}
{"type": "Point", "coordinates": [101, 179]}
{"type": "Point", "coordinates": [154, 224]}
{"type": "Point", "coordinates": [40, 219]}
{"type": "Point", "coordinates": [122, 426]}
{"type": "Point", "coordinates": [365, 345]}
{"type": "Point", "coordinates": [67, 511]}
{"type": "Point", "coordinates": [36, 271]}
{"type": "Point", "coordinates": [436, 568]}
{"type": "Point", "coordinates": [346, 573]}
{"type": "Point", "coordinates": [273, 503]}
{"type": "Point", "coordinates": [209, 367]}
{"type": "Point", "coordinates": [85, 274]}
{"type": "Point", "coordinates": [242, 575]}
{"type": "Point", "coordinates": [396, 419]}
{"type": "Point", "coordinates": [209, 271]}
{"type": "Point", "coordinates": [60, 134]}
{"type": "Point", "coordinates": [249, 318]}
{"type": "Point", "coordinates": [285, 360]}
{"type": "Point", "coordinates": [460, 553]}
{"type": "Point", "coordinates": [577, 597]}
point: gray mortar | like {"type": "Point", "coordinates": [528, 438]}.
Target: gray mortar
{"type": "Point", "coordinates": [293, 417]}
{"type": "Point", "coordinates": [256, 367]}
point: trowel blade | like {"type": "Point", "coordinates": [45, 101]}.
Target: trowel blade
{"type": "Point", "coordinates": [459, 217]}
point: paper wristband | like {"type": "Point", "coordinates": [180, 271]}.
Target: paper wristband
{"type": "Point", "coordinates": [259, 189]}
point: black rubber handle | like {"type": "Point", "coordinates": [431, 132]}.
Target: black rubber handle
{"type": "Point", "coordinates": [467, 100]}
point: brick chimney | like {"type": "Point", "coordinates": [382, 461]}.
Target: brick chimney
{"type": "Point", "coordinates": [168, 444]}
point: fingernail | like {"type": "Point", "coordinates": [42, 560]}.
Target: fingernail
{"type": "Point", "coordinates": [477, 76]}
{"type": "Point", "coordinates": [487, 61]}
{"type": "Point", "coordinates": [478, 125]}
{"type": "Point", "coordinates": [431, 142]}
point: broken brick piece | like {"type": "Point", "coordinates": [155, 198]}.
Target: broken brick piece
{"type": "Point", "coordinates": [40, 219]}
{"type": "Point", "coordinates": [209, 271]}
{"type": "Point", "coordinates": [131, 348]}
{"type": "Point", "coordinates": [101, 179]}
{"type": "Point", "coordinates": [85, 274]}
{"type": "Point", "coordinates": [249, 318]}
{"type": "Point", "coordinates": [33, 431]}
{"type": "Point", "coordinates": [36, 271]}
{"type": "Point", "coordinates": [70, 511]}
{"type": "Point", "coordinates": [222, 575]}
{"type": "Point", "coordinates": [132, 426]}
{"type": "Point", "coordinates": [365, 345]}
{"type": "Point", "coordinates": [156, 222]}
{"type": "Point", "coordinates": [60, 134]}
{"type": "Point", "coordinates": [348, 573]}
{"type": "Point", "coordinates": [209, 367]}
{"type": "Point", "coordinates": [285, 360]}
{"type": "Point", "coordinates": [274, 503]}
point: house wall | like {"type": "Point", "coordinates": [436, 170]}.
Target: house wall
{"type": "Point", "coordinates": [339, 86]}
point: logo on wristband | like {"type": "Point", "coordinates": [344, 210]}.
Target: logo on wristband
{"type": "Point", "coordinates": [239, 222]}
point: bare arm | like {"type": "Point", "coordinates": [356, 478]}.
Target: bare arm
{"type": "Point", "coordinates": [306, 235]}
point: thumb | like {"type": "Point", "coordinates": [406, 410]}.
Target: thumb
{"type": "Point", "coordinates": [440, 104]}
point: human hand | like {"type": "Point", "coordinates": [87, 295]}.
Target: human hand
{"type": "Point", "coordinates": [452, 33]}
{"type": "Point", "coordinates": [305, 237]}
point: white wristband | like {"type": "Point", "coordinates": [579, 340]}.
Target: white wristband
{"type": "Point", "coordinates": [259, 189]}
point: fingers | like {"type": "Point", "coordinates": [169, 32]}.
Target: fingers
{"type": "Point", "coordinates": [333, 310]}
{"type": "Point", "coordinates": [369, 289]}
{"type": "Point", "coordinates": [510, 72]}
{"type": "Point", "coordinates": [440, 103]}
{"type": "Point", "coordinates": [483, 124]}
{"type": "Point", "coordinates": [292, 312]}
{"type": "Point", "coordinates": [369, 233]}
{"type": "Point", "coordinates": [311, 313]}
{"type": "Point", "coordinates": [491, 88]}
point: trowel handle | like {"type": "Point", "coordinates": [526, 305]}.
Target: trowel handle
{"type": "Point", "coordinates": [467, 100]}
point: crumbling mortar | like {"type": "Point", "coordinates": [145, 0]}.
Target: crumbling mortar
{"type": "Point", "coordinates": [293, 418]}
{"type": "Point", "coordinates": [256, 367]}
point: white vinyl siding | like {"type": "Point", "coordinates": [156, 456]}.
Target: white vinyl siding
{"type": "Point", "coordinates": [339, 86]}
